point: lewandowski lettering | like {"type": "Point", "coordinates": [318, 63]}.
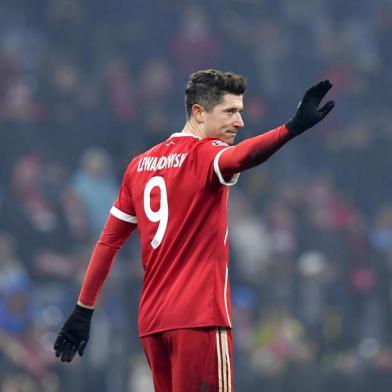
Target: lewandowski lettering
{"type": "Point", "coordinates": [159, 163]}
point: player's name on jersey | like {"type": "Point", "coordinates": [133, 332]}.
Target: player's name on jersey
{"type": "Point", "coordinates": [159, 163]}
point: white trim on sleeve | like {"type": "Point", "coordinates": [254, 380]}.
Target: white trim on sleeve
{"type": "Point", "coordinates": [233, 179]}
{"type": "Point", "coordinates": [122, 215]}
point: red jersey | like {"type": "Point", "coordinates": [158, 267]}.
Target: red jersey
{"type": "Point", "coordinates": [178, 197]}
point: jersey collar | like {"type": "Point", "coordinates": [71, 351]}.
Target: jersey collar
{"type": "Point", "coordinates": [182, 134]}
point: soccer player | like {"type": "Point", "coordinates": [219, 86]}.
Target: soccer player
{"type": "Point", "coordinates": [176, 194]}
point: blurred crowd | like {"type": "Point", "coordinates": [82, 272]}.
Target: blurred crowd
{"type": "Point", "coordinates": [85, 86]}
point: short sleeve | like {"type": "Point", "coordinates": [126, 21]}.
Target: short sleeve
{"type": "Point", "coordinates": [207, 157]}
{"type": "Point", "coordinates": [123, 207]}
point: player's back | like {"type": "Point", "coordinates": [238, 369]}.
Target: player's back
{"type": "Point", "coordinates": [180, 206]}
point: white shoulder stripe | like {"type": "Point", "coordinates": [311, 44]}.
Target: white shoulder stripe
{"type": "Point", "coordinates": [122, 215]}
{"type": "Point", "coordinates": [233, 179]}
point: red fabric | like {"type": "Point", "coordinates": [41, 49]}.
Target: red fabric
{"type": "Point", "coordinates": [183, 229]}
{"type": "Point", "coordinates": [197, 359]}
{"type": "Point", "coordinates": [180, 207]}
{"type": "Point", "coordinates": [253, 151]}
{"type": "Point", "coordinates": [113, 236]}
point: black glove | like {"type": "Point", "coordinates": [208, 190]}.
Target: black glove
{"type": "Point", "coordinates": [308, 113]}
{"type": "Point", "coordinates": [74, 335]}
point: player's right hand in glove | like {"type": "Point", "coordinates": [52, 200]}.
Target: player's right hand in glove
{"type": "Point", "coordinates": [74, 335]}
{"type": "Point", "coordinates": [308, 111]}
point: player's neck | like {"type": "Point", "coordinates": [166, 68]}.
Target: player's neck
{"type": "Point", "coordinates": [195, 129]}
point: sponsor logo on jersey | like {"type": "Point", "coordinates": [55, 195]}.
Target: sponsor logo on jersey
{"type": "Point", "coordinates": [219, 143]}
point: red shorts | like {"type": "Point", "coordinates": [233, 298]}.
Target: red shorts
{"type": "Point", "coordinates": [191, 360]}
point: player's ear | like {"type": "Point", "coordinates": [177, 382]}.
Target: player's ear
{"type": "Point", "coordinates": [198, 113]}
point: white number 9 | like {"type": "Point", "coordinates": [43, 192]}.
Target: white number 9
{"type": "Point", "coordinates": [162, 214]}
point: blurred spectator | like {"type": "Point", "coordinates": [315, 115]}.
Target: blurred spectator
{"type": "Point", "coordinates": [381, 234]}
{"type": "Point", "coordinates": [121, 91]}
{"type": "Point", "coordinates": [195, 45]}
{"type": "Point", "coordinates": [249, 238]}
{"type": "Point", "coordinates": [94, 184]}
{"type": "Point", "coordinates": [156, 84]}
{"type": "Point", "coordinates": [33, 215]}
{"type": "Point", "coordinates": [12, 272]}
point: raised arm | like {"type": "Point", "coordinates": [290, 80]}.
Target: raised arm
{"type": "Point", "coordinates": [253, 151]}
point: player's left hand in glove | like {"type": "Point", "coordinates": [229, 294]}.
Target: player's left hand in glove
{"type": "Point", "coordinates": [74, 335]}
{"type": "Point", "coordinates": [308, 111]}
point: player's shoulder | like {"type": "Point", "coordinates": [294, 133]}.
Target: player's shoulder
{"type": "Point", "coordinates": [214, 142]}
{"type": "Point", "coordinates": [177, 141]}
{"type": "Point", "coordinates": [211, 145]}
{"type": "Point", "coordinates": [208, 149]}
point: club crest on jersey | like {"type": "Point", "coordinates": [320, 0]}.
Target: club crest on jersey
{"type": "Point", "coordinates": [219, 143]}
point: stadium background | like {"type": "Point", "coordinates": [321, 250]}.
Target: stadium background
{"type": "Point", "coordinates": [86, 85]}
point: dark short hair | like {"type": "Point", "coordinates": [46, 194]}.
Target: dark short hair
{"type": "Point", "coordinates": [207, 88]}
